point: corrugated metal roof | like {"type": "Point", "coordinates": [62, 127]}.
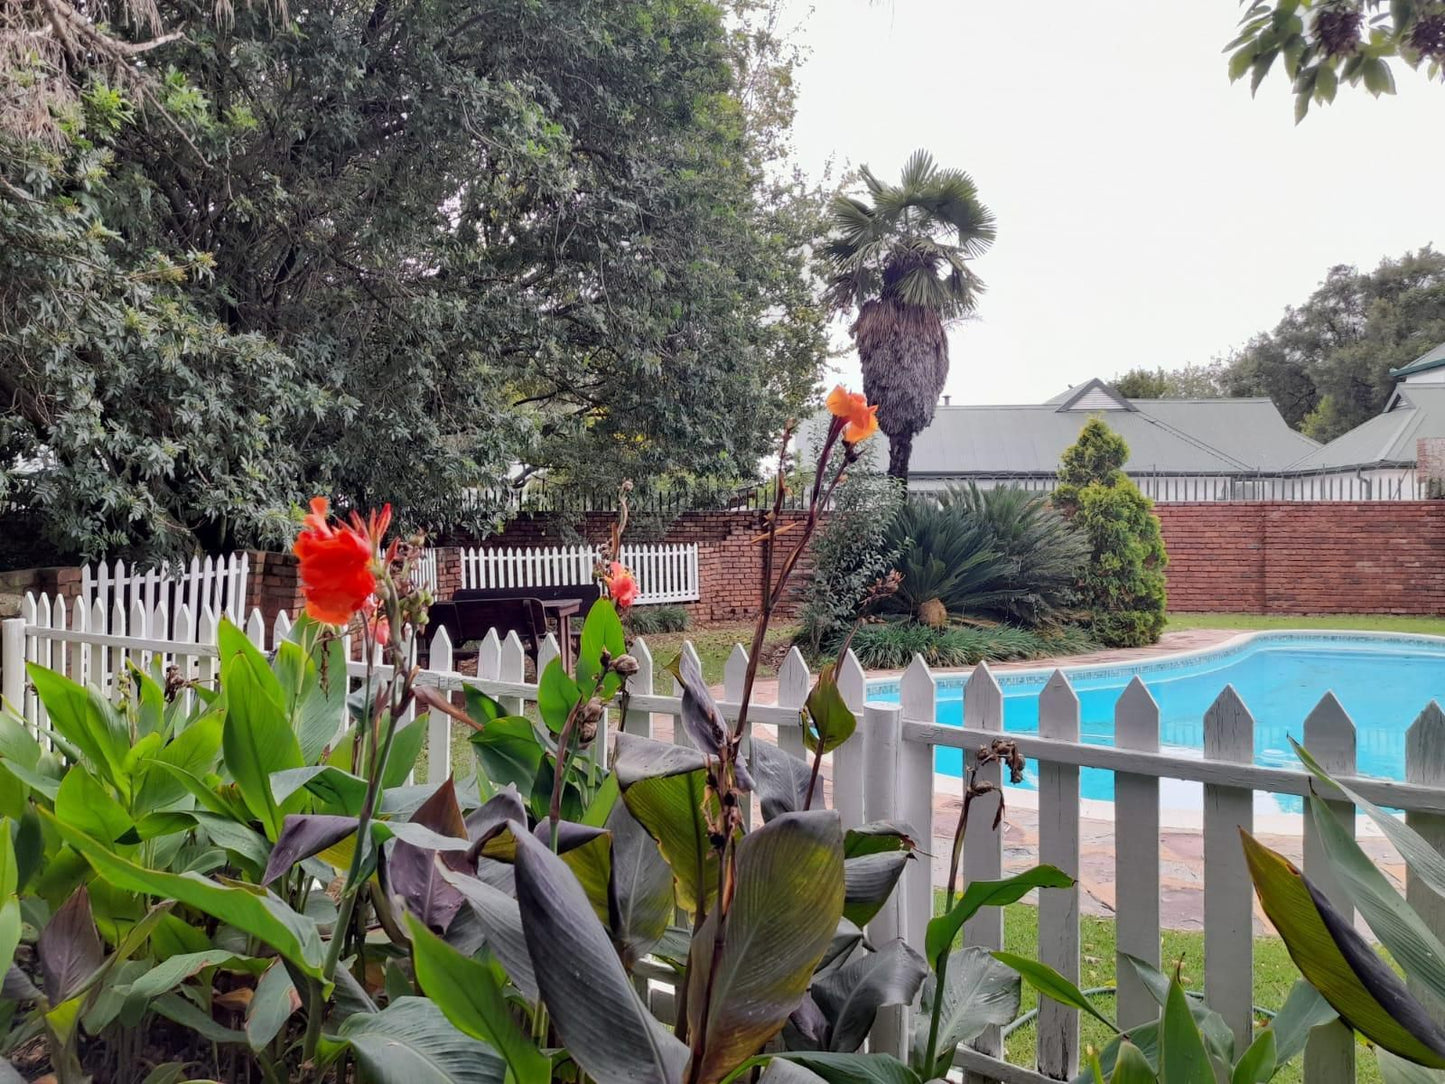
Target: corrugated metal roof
{"type": "Point", "coordinates": [1414, 411]}
{"type": "Point", "coordinates": [1030, 439]}
{"type": "Point", "coordinates": [1430, 359]}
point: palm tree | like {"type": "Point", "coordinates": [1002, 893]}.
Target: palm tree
{"type": "Point", "coordinates": [901, 262]}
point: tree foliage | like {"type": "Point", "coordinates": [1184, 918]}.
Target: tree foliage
{"type": "Point", "coordinates": [1122, 586]}
{"type": "Point", "coordinates": [899, 257]}
{"type": "Point", "coordinates": [392, 252]}
{"type": "Point", "coordinates": [1320, 44]}
{"type": "Point", "coordinates": [1327, 364]}
{"type": "Point", "coordinates": [1185, 382]}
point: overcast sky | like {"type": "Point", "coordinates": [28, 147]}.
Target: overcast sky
{"type": "Point", "coordinates": [1150, 213]}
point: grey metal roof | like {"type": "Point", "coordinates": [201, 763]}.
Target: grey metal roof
{"type": "Point", "coordinates": [1414, 411]}
{"type": "Point", "coordinates": [1176, 436]}
{"type": "Point", "coordinates": [1430, 359]}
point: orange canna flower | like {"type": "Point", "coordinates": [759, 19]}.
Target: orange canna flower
{"type": "Point", "coordinates": [861, 419]}
{"type": "Point", "coordinates": [338, 573]}
{"type": "Point", "coordinates": [621, 584]}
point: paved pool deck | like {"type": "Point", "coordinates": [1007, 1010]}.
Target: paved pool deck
{"type": "Point", "coordinates": [1181, 840]}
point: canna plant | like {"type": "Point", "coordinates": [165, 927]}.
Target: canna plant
{"type": "Point", "coordinates": [237, 880]}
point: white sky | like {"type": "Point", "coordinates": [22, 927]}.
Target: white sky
{"type": "Point", "coordinates": [1150, 213]}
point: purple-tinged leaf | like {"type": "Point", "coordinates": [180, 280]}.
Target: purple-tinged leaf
{"type": "Point", "coordinates": [412, 872]}
{"type": "Point", "coordinates": [301, 837]}
{"type": "Point", "coordinates": [700, 715]}
{"type": "Point", "coordinates": [69, 948]}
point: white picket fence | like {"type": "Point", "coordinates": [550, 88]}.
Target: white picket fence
{"type": "Point", "coordinates": [214, 583]}
{"type": "Point", "coordinates": [887, 773]}
{"type": "Point", "coordinates": [665, 572]}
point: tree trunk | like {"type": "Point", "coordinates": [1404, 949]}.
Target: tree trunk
{"type": "Point", "coordinates": [900, 452]}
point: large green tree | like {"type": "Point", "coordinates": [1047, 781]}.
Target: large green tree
{"type": "Point", "coordinates": [1185, 382]}
{"type": "Point", "coordinates": [1326, 364]}
{"type": "Point", "coordinates": [407, 248]}
{"type": "Point", "coordinates": [1320, 44]}
{"type": "Point", "coordinates": [899, 257]}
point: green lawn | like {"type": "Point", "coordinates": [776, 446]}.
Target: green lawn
{"type": "Point", "coordinates": [714, 644]}
{"type": "Point", "coordinates": [1352, 622]}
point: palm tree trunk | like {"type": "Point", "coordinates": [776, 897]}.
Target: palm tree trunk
{"type": "Point", "coordinates": [900, 452]}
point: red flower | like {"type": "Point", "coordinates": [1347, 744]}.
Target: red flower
{"type": "Point", "coordinates": [621, 584]}
{"type": "Point", "coordinates": [338, 563]}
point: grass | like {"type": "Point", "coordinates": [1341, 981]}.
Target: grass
{"type": "Point", "coordinates": [1350, 622]}
{"type": "Point", "coordinates": [714, 644]}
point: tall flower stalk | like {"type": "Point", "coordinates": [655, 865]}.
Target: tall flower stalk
{"type": "Point", "coordinates": [852, 422]}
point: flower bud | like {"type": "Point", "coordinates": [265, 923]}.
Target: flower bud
{"type": "Point", "coordinates": [588, 721]}
{"type": "Point", "coordinates": [625, 665]}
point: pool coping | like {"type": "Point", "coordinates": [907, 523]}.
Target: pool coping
{"type": "Point", "coordinates": [1175, 660]}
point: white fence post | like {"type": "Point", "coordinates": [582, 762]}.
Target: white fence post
{"type": "Point", "coordinates": [1228, 891]}
{"type": "Point", "coordinates": [918, 697]}
{"type": "Point", "coordinates": [849, 758]}
{"type": "Point", "coordinates": [439, 723]}
{"type": "Point", "coordinates": [982, 843]}
{"type": "Point", "coordinates": [1330, 737]}
{"type": "Point", "coordinates": [12, 664]}
{"type": "Point", "coordinates": [882, 734]}
{"type": "Point", "coordinates": [1136, 853]}
{"type": "Point", "coordinates": [638, 721]}
{"type": "Point", "coordinates": [1425, 763]}
{"type": "Point", "coordinates": [1058, 1028]}
{"type": "Point", "coordinates": [794, 684]}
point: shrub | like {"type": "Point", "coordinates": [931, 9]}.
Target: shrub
{"type": "Point", "coordinates": [945, 556]}
{"type": "Point", "coordinates": [891, 645]}
{"type": "Point", "coordinates": [650, 620]}
{"type": "Point", "coordinates": [1122, 587]}
{"type": "Point", "coordinates": [1044, 551]}
{"type": "Point", "coordinates": [851, 551]}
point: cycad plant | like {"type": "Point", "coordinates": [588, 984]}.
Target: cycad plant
{"type": "Point", "coordinates": [899, 257]}
{"type": "Point", "coordinates": [948, 565]}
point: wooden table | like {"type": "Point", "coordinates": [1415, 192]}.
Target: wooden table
{"type": "Point", "coordinates": [563, 610]}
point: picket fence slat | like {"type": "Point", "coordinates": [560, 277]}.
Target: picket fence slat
{"type": "Point", "coordinates": [847, 759]}
{"type": "Point", "coordinates": [1058, 1030]}
{"type": "Point", "coordinates": [1228, 891]}
{"type": "Point", "coordinates": [882, 735]}
{"type": "Point", "coordinates": [1136, 853]}
{"type": "Point", "coordinates": [918, 697]}
{"type": "Point", "coordinates": [638, 721]}
{"type": "Point", "coordinates": [1330, 736]}
{"type": "Point", "coordinates": [1425, 766]}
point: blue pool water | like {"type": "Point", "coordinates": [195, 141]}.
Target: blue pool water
{"type": "Point", "coordinates": [1383, 682]}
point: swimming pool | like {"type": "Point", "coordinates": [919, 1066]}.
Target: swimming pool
{"type": "Point", "coordinates": [1383, 681]}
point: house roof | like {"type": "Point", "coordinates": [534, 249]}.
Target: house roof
{"type": "Point", "coordinates": [1387, 439]}
{"type": "Point", "coordinates": [1430, 359]}
{"type": "Point", "coordinates": [1192, 436]}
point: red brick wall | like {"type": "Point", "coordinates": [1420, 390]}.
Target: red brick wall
{"type": "Point", "coordinates": [272, 586]}
{"type": "Point", "coordinates": [1314, 557]}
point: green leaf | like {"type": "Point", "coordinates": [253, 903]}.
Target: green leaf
{"type": "Point", "coordinates": [508, 750]}
{"type": "Point", "coordinates": [1050, 983]}
{"type": "Point", "coordinates": [851, 995]}
{"type": "Point", "coordinates": [1131, 1067]}
{"type": "Point", "coordinates": [847, 1068]}
{"type": "Point", "coordinates": [246, 907]}
{"type": "Point", "coordinates": [785, 910]}
{"type": "Point", "coordinates": [556, 695]}
{"type": "Point", "coordinates": [1258, 1063]}
{"type": "Point", "coordinates": [876, 837]}
{"type": "Point", "coordinates": [1241, 61]}
{"type": "Point", "coordinates": [597, 1012]}
{"type": "Point", "coordinates": [1337, 962]}
{"type": "Point", "coordinates": [1377, 76]}
{"type": "Point", "coordinates": [411, 1042]}
{"type": "Point", "coordinates": [481, 707]}
{"type": "Point", "coordinates": [177, 1009]}
{"type": "Point", "coordinates": [85, 719]}
{"type": "Point", "coordinates": [406, 746]}
{"type": "Point", "coordinates": [829, 721]}
{"type": "Point", "coordinates": [868, 882]}
{"type": "Point", "coordinates": [641, 887]}
{"type": "Point", "coordinates": [1326, 82]}
{"type": "Point", "coordinates": [166, 976]}
{"type": "Point", "coordinates": [1303, 1011]}
{"type": "Point", "coordinates": [340, 791]}
{"type": "Point", "coordinates": [274, 1002]}
{"type": "Point", "coordinates": [10, 924]}
{"type": "Point", "coordinates": [257, 739]}
{"type": "Point", "coordinates": [314, 694]}
{"type": "Point", "coordinates": [601, 631]}
{"type": "Point", "coordinates": [1396, 1070]}
{"type": "Point", "coordinates": [1183, 1058]}
{"type": "Point", "coordinates": [670, 807]}
{"type": "Point", "coordinates": [980, 894]}
{"type": "Point", "coordinates": [978, 992]}
{"type": "Point", "coordinates": [88, 806]}
{"type": "Point", "coordinates": [1412, 943]}
{"type": "Point", "coordinates": [470, 995]}
{"type": "Point", "coordinates": [196, 749]}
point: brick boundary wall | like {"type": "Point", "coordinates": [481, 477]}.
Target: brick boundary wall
{"type": "Point", "coordinates": [1313, 557]}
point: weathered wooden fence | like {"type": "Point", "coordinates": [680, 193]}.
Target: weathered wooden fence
{"type": "Point", "coordinates": [110, 591]}
{"type": "Point", "coordinates": [887, 773]}
{"type": "Point", "coordinates": [665, 572]}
